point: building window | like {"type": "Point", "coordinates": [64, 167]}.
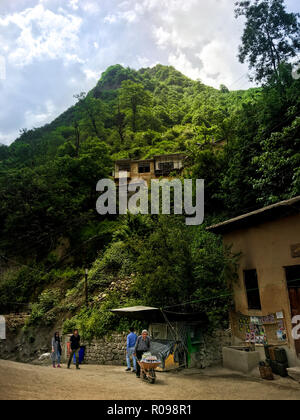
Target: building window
{"type": "Point", "coordinates": [252, 289]}
{"type": "Point", "coordinates": [166, 167]}
{"type": "Point", "coordinates": [124, 167]}
{"type": "Point", "coordinates": [293, 276]}
{"type": "Point", "coordinates": [144, 168]}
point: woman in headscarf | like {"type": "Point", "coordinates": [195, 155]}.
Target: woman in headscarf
{"type": "Point", "coordinates": [56, 350]}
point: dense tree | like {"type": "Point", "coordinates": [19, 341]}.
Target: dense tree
{"type": "Point", "coordinates": [92, 112]}
{"type": "Point", "coordinates": [132, 97]}
{"type": "Point", "coordinates": [271, 36]}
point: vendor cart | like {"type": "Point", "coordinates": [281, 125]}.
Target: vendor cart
{"type": "Point", "coordinates": [148, 371]}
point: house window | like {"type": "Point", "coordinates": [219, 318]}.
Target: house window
{"type": "Point", "coordinates": [293, 276]}
{"type": "Point", "coordinates": [166, 167]}
{"type": "Point", "coordinates": [144, 168]}
{"type": "Point", "coordinates": [252, 289]}
{"type": "Point", "coordinates": [124, 167]}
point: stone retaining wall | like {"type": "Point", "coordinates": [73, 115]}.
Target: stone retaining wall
{"type": "Point", "coordinates": [109, 350]}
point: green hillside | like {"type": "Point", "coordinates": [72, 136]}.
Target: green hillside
{"type": "Point", "coordinates": [50, 231]}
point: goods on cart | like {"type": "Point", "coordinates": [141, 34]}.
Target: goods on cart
{"type": "Point", "coordinates": [148, 365]}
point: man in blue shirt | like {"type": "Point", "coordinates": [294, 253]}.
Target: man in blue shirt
{"type": "Point", "coordinates": [131, 340]}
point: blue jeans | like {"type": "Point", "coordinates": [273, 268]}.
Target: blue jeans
{"type": "Point", "coordinates": [56, 356]}
{"type": "Point", "coordinates": [129, 353]}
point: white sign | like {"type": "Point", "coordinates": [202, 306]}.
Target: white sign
{"type": "Point", "coordinates": [2, 328]}
{"type": "Point", "coordinates": [279, 315]}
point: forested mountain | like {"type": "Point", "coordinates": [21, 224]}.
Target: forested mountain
{"type": "Point", "coordinates": [245, 144]}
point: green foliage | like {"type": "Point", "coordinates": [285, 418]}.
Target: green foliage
{"type": "Point", "coordinates": [279, 165]}
{"type": "Point", "coordinates": [164, 263]}
{"type": "Point", "coordinates": [69, 325]}
{"type": "Point", "coordinates": [244, 144]}
{"type": "Point", "coordinates": [271, 36]}
{"type": "Point", "coordinates": [133, 96]}
{"type": "Point", "coordinates": [115, 261]}
{"type": "Point", "coordinates": [97, 321]}
{"type": "Point", "coordinates": [178, 264]}
{"type": "Point", "coordinates": [261, 161]}
{"type": "Point", "coordinates": [18, 287]}
{"type": "Point", "coordinates": [42, 311]}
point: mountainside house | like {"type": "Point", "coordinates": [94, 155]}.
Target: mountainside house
{"type": "Point", "coordinates": [267, 293]}
{"type": "Point", "coordinates": [159, 166]}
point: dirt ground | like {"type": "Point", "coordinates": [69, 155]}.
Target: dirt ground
{"type": "Point", "coordinates": [30, 382]}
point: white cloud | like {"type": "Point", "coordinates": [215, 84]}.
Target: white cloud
{"type": "Point", "coordinates": [200, 38]}
{"type": "Point", "coordinates": [110, 19]}
{"type": "Point", "coordinates": [2, 68]}
{"type": "Point", "coordinates": [40, 117]}
{"type": "Point", "coordinates": [219, 65]}
{"type": "Point", "coordinates": [90, 7]}
{"type": "Point", "coordinates": [143, 61]}
{"type": "Point", "coordinates": [129, 16]}
{"type": "Point", "coordinates": [74, 4]}
{"type": "Point", "coordinates": [7, 137]}
{"type": "Point", "coordinates": [42, 35]}
{"type": "Point", "coordinates": [73, 58]}
{"type": "Point", "coordinates": [91, 75]}
{"type": "Point", "coordinates": [181, 62]}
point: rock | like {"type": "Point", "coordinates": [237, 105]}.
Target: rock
{"type": "Point", "coordinates": [44, 356]}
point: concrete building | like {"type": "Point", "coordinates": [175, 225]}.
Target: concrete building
{"type": "Point", "coordinates": [267, 292]}
{"type": "Point", "coordinates": [159, 166]}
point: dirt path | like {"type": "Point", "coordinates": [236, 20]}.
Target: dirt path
{"type": "Point", "coordinates": [21, 381]}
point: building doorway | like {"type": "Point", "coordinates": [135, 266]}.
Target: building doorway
{"type": "Point", "coordinates": [293, 284]}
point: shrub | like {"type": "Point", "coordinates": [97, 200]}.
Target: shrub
{"type": "Point", "coordinates": [45, 310]}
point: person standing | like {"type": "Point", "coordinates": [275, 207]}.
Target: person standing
{"type": "Point", "coordinates": [131, 340]}
{"type": "Point", "coordinates": [56, 350]}
{"type": "Point", "coordinates": [142, 346]}
{"type": "Point", "coordinates": [75, 347]}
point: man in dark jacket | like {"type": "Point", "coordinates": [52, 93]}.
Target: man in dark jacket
{"type": "Point", "coordinates": [75, 347]}
{"type": "Point", "coordinates": [142, 346]}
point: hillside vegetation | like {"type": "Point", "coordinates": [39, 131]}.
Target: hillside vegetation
{"type": "Point", "coordinates": [245, 144]}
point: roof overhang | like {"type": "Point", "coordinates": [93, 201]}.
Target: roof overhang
{"type": "Point", "coordinates": [265, 214]}
{"type": "Point", "coordinates": [170, 155]}
{"type": "Point", "coordinates": [147, 313]}
{"type": "Point", "coordinates": [156, 315]}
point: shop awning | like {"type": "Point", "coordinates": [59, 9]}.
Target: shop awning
{"type": "Point", "coordinates": [147, 313]}
{"type": "Point", "coordinates": [156, 315]}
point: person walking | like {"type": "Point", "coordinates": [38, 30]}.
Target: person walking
{"type": "Point", "coordinates": [130, 350]}
{"type": "Point", "coordinates": [56, 350]}
{"type": "Point", "coordinates": [142, 346]}
{"type": "Point", "coordinates": [75, 347]}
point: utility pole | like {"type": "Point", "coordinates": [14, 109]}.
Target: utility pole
{"type": "Point", "coordinates": [86, 288]}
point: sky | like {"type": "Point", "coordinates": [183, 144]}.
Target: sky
{"type": "Point", "coordinates": [51, 50]}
